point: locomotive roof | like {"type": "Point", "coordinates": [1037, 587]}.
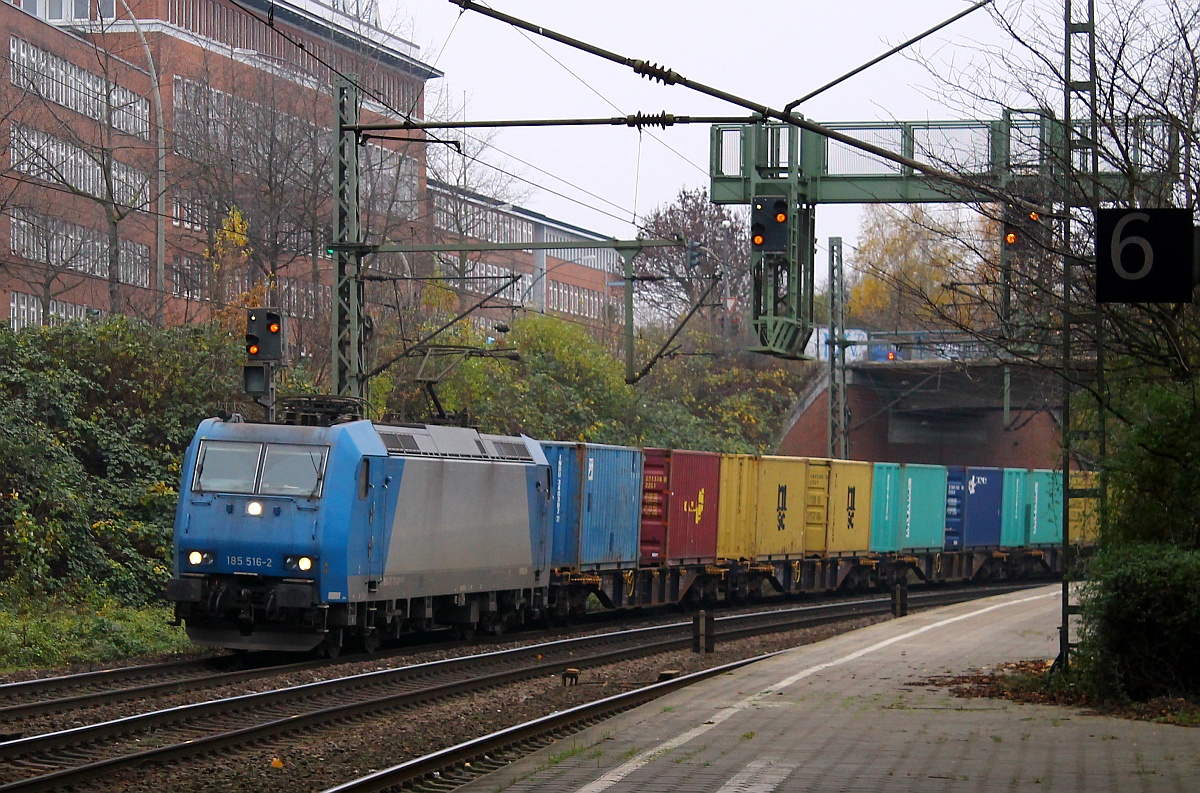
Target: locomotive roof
{"type": "Point", "coordinates": [432, 440]}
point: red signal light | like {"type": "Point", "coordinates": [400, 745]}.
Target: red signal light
{"type": "Point", "coordinates": [891, 355]}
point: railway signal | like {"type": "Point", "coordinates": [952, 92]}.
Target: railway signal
{"type": "Point", "coordinates": [256, 379]}
{"type": "Point", "coordinates": [769, 224]}
{"type": "Point", "coordinates": [1024, 230]}
{"type": "Point", "coordinates": [264, 334]}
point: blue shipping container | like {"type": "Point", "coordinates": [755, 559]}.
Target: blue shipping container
{"type": "Point", "coordinates": [955, 485]}
{"type": "Point", "coordinates": [597, 505]}
{"type": "Point", "coordinates": [983, 497]}
{"type": "Point", "coordinates": [564, 507]}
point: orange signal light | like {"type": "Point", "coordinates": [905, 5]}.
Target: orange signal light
{"type": "Point", "coordinates": [1034, 216]}
{"type": "Point", "coordinates": [1011, 238]}
{"type": "Point", "coordinates": [759, 239]}
{"type": "Point", "coordinates": [273, 327]}
{"type": "Point", "coordinates": [891, 355]}
{"type": "Point", "coordinates": [781, 217]}
{"type": "Point", "coordinates": [252, 349]}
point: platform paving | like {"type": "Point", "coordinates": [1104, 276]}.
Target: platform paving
{"type": "Point", "coordinates": [851, 714]}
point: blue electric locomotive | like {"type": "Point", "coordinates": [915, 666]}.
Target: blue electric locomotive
{"type": "Point", "coordinates": [301, 537]}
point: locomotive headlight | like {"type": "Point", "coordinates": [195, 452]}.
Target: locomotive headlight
{"type": "Point", "coordinates": [195, 557]}
{"type": "Point", "coordinates": [301, 563]}
{"type": "Point", "coordinates": [254, 508]}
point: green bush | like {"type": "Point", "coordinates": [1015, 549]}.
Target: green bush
{"type": "Point", "coordinates": [1152, 461]}
{"type": "Point", "coordinates": [93, 422]}
{"type": "Point", "coordinates": [1141, 616]}
{"type": "Point", "coordinates": [58, 632]}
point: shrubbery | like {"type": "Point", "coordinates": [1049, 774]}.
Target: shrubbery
{"type": "Point", "coordinates": [93, 422]}
{"type": "Point", "coordinates": [58, 631]}
{"type": "Point", "coordinates": [1142, 623]}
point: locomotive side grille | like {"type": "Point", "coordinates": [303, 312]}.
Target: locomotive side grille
{"type": "Point", "coordinates": [395, 442]}
{"type": "Point", "coordinates": [509, 449]}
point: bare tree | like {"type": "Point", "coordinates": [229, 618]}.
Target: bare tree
{"type": "Point", "coordinates": [1147, 101]}
{"type": "Point", "coordinates": [103, 160]}
{"type": "Point", "coordinates": [470, 203]}
{"type": "Point", "coordinates": [713, 247]}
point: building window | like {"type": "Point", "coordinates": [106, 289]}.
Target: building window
{"type": "Point", "coordinates": [56, 80]}
{"type": "Point", "coordinates": [189, 278]}
{"type": "Point", "coordinates": [187, 211]}
{"type": "Point", "coordinates": [43, 156]}
{"type": "Point", "coordinates": [62, 245]}
{"type": "Point", "coordinates": [25, 311]}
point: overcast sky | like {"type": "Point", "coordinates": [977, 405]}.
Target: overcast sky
{"type": "Point", "coordinates": [772, 52]}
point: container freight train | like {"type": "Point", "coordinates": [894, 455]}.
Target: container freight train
{"type": "Point", "coordinates": [310, 537]}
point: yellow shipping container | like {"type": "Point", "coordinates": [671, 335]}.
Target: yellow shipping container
{"type": "Point", "coordinates": [816, 506]}
{"type": "Point", "coordinates": [849, 527]}
{"type": "Point", "coordinates": [782, 496]}
{"type": "Point", "coordinates": [737, 514]}
{"type": "Point", "coordinates": [1084, 512]}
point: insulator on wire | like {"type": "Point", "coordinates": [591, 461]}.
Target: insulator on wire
{"type": "Point", "coordinates": [641, 120]}
{"type": "Point", "coordinates": [655, 72]}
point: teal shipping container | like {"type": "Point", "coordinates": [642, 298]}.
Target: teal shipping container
{"type": "Point", "coordinates": [1043, 498]}
{"type": "Point", "coordinates": [908, 507]}
{"type": "Point", "coordinates": [1014, 517]}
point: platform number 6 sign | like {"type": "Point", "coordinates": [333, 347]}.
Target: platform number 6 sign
{"type": "Point", "coordinates": [1144, 255]}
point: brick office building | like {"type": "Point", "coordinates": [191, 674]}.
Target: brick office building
{"type": "Point", "coordinates": [241, 89]}
{"type": "Point", "coordinates": [137, 128]}
{"type": "Point", "coordinates": [578, 284]}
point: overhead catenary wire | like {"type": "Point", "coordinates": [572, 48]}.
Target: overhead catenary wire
{"type": "Point", "coordinates": [658, 73]}
{"type": "Point", "coordinates": [609, 102]}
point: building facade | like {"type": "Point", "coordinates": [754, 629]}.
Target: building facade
{"type": "Point", "coordinates": [579, 284]}
{"type": "Point", "coordinates": [166, 158]}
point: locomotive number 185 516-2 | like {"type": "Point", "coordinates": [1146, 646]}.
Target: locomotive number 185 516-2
{"type": "Point", "coordinates": [248, 561]}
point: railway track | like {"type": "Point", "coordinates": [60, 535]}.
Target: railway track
{"type": "Point", "coordinates": [73, 693]}
{"type": "Point", "coordinates": [74, 756]}
{"type": "Point", "coordinates": [451, 767]}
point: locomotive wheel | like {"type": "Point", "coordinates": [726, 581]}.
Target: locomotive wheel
{"type": "Point", "coordinates": [370, 640]}
{"type": "Point", "coordinates": [331, 646]}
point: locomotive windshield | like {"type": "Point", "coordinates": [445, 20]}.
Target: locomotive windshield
{"type": "Point", "coordinates": [227, 467]}
{"type": "Point", "coordinates": [293, 471]}
{"type": "Point", "coordinates": [237, 467]}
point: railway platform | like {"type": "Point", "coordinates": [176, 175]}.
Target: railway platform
{"type": "Point", "coordinates": [855, 713]}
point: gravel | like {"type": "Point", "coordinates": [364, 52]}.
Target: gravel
{"type": "Point", "coordinates": [317, 760]}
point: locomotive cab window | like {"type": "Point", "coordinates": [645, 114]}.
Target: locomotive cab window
{"type": "Point", "coordinates": [236, 467]}
{"type": "Point", "coordinates": [227, 467]}
{"type": "Point", "coordinates": [293, 470]}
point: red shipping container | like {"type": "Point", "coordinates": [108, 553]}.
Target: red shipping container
{"type": "Point", "coordinates": [680, 495]}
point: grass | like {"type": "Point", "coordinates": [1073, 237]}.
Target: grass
{"type": "Point", "coordinates": [60, 633]}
